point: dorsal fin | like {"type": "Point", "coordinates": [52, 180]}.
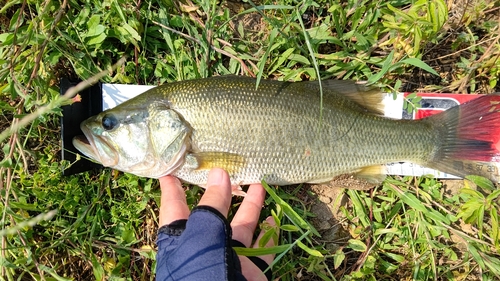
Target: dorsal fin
{"type": "Point", "coordinates": [368, 97]}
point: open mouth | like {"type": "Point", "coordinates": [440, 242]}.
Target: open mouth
{"type": "Point", "coordinates": [96, 148]}
{"type": "Point", "coordinates": [82, 139]}
{"type": "Point", "coordinates": [83, 144]}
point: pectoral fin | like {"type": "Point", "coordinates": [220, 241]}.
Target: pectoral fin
{"type": "Point", "coordinates": [231, 162]}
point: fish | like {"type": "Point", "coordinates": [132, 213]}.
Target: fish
{"type": "Point", "coordinates": [285, 133]}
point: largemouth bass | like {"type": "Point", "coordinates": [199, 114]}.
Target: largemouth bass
{"type": "Point", "coordinates": [285, 133]}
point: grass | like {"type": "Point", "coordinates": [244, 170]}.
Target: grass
{"type": "Point", "coordinates": [101, 225]}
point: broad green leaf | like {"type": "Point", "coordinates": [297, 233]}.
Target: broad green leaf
{"type": "Point", "coordinates": [397, 257]}
{"type": "Point", "coordinates": [289, 227]}
{"type": "Point", "coordinates": [493, 196]}
{"type": "Point", "coordinates": [6, 38]}
{"type": "Point", "coordinates": [321, 33]}
{"type": "Point", "coordinates": [357, 245]}
{"type": "Point", "coordinates": [387, 266]}
{"type": "Point", "coordinates": [397, 85]}
{"type": "Point", "coordinates": [474, 193]}
{"type": "Point", "coordinates": [268, 235]}
{"type": "Point", "coordinates": [391, 230]}
{"type": "Point", "coordinates": [132, 31]}
{"type": "Point", "coordinates": [128, 235]}
{"type": "Point", "coordinates": [481, 182]}
{"type": "Point", "coordinates": [400, 13]}
{"type": "Point", "coordinates": [97, 39]}
{"type": "Point", "coordinates": [469, 211]}
{"type": "Point", "coordinates": [93, 22]}
{"type": "Point", "coordinates": [97, 268]}
{"type": "Point", "coordinates": [369, 265]}
{"type": "Point", "coordinates": [338, 258]}
{"type": "Point", "coordinates": [14, 19]}
{"type": "Point", "coordinates": [493, 83]}
{"type": "Point", "coordinates": [284, 56]}
{"type": "Point", "coordinates": [96, 30]}
{"type": "Point", "coordinates": [299, 58]}
{"type": "Point", "coordinates": [310, 251]}
{"type": "Point", "coordinates": [53, 57]}
{"type": "Point", "coordinates": [377, 215]}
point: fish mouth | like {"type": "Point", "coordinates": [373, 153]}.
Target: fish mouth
{"type": "Point", "coordinates": [83, 145]}
{"type": "Point", "coordinates": [88, 145]}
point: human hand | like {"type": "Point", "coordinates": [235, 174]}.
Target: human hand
{"type": "Point", "coordinates": [197, 245]}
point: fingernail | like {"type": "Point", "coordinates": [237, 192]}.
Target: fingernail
{"type": "Point", "coordinates": [215, 177]}
{"type": "Point", "coordinates": [271, 221]}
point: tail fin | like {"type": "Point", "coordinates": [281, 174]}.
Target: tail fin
{"type": "Point", "coordinates": [470, 139]}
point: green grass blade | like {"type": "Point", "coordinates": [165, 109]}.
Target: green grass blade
{"type": "Point", "coordinates": [386, 66]}
{"type": "Point", "coordinates": [288, 210]}
{"type": "Point", "coordinates": [253, 252]}
{"type": "Point", "coordinates": [263, 60]}
{"type": "Point", "coordinates": [420, 64]}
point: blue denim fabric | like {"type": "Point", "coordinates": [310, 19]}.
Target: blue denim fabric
{"type": "Point", "coordinates": [197, 249]}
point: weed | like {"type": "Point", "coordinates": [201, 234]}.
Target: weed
{"type": "Point", "coordinates": [102, 224]}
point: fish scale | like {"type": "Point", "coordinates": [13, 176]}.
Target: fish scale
{"type": "Point", "coordinates": [285, 133]}
{"type": "Point", "coordinates": [289, 142]}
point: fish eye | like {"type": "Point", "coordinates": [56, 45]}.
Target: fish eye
{"type": "Point", "coordinates": [109, 122]}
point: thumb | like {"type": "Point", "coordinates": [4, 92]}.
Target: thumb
{"type": "Point", "coordinates": [218, 191]}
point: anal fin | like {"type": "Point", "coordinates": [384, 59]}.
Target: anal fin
{"type": "Point", "coordinates": [369, 176]}
{"type": "Point", "coordinates": [373, 174]}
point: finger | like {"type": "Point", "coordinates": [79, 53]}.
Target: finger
{"type": "Point", "coordinates": [250, 270]}
{"type": "Point", "coordinates": [218, 191]}
{"type": "Point", "coordinates": [267, 258]}
{"type": "Point", "coordinates": [246, 218]}
{"type": "Point", "coordinates": [173, 204]}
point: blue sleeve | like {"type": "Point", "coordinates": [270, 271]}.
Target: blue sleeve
{"type": "Point", "coordinates": [197, 249]}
